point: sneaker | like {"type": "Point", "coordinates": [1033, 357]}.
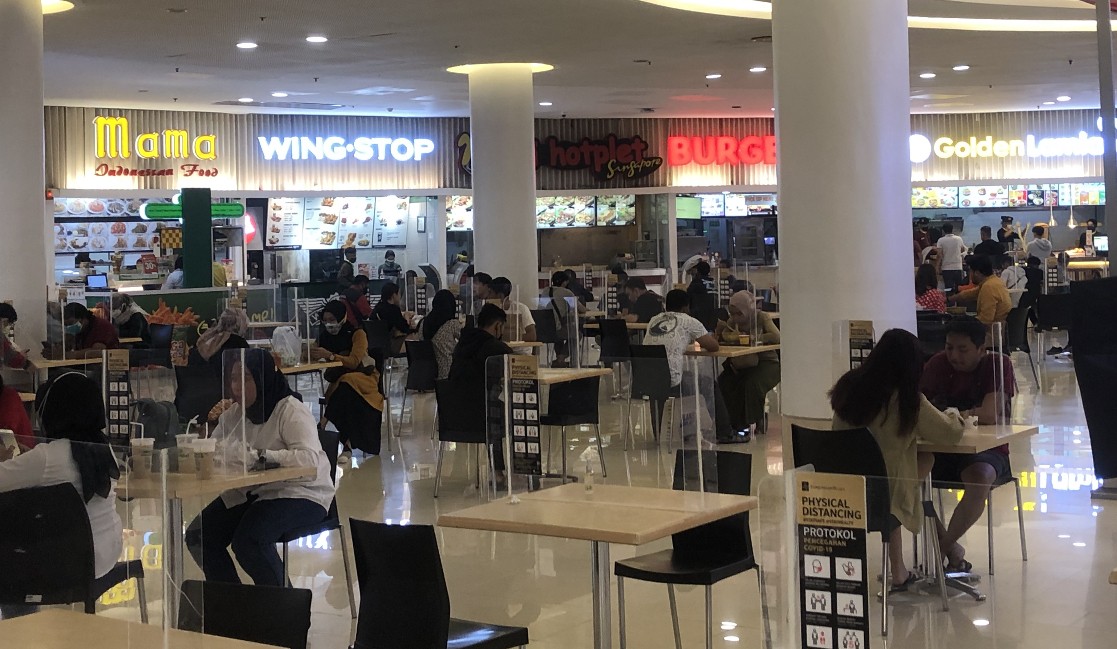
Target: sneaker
{"type": "Point", "coordinates": [1054, 351]}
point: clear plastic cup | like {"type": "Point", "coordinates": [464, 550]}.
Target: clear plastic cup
{"type": "Point", "coordinates": [142, 450]}
{"type": "Point", "coordinates": [204, 450]}
{"type": "Point", "coordinates": [185, 444]}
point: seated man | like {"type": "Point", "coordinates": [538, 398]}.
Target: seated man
{"type": "Point", "coordinates": [993, 300]}
{"type": "Point", "coordinates": [355, 299]}
{"type": "Point", "coordinates": [470, 370]}
{"type": "Point", "coordinates": [92, 334]}
{"type": "Point", "coordinates": [565, 307]}
{"type": "Point", "coordinates": [388, 310]}
{"type": "Point", "coordinates": [964, 376]}
{"type": "Point", "coordinates": [643, 304]}
{"type": "Point", "coordinates": [521, 326]}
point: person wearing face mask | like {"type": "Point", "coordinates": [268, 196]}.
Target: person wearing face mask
{"type": "Point", "coordinates": [9, 355]}
{"type": "Point", "coordinates": [278, 428]}
{"type": "Point", "coordinates": [228, 333]}
{"type": "Point", "coordinates": [348, 269]}
{"type": "Point", "coordinates": [388, 310]}
{"type": "Point", "coordinates": [129, 318]}
{"type": "Point", "coordinates": [91, 333]}
{"type": "Point", "coordinates": [353, 401]}
{"type": "Point", "coordinates": [1087, 237]}
{"type": "Point", "coordinates": [390, 269]}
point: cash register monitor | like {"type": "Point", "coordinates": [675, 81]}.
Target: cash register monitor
{"type": "Point", "coordinates": [1101, 243]}
{"type": "Point", "coordinates": [97, 282]}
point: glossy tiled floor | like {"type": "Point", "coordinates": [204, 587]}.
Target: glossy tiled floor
{"type": "Point", "coordinates": [1060, 597]}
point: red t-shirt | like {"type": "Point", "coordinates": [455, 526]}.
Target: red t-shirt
{"type": "Point", "coordinates": [946, 387]}
{"type": "Point", "coordinates": [932, 300]}
{"type": "Point", "coordinates": [13, 416]}
{"type": "Point", "coordinates": [100, 331]}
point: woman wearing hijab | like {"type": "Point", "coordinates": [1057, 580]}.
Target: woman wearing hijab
{"type": "Point", "coordinates": [353, 401]}
{"type": "Point", "coordinates": [129, 318]}
{"type": "Point", "coordinates": [747, 379]}
{"type": "Point", "coordinates": [228, 333]}
{"type": "Point", "coordinates": [72, 415]}
{"type": "Point", "coordinates": [443, 329]}
{"type": "Point", "coordinates": [277, 428]}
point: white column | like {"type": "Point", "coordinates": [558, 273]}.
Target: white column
{"type": "Point", "coordinates": [502, 135]}
{"type": "Point", "coordinates": [844, 183]}
{"type": "Point", "coordinates": [23, 219]}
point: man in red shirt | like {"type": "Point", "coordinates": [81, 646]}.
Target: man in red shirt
{"type": "Point", "coordinates": [965, 376]}
{"type": "Point", "coordinates": [91, 334]}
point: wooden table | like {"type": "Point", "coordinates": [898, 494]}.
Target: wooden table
{"type": "Point", "coordinates": [39, 366]}
{"type": "Point", "coordinates": [64, 629]}
{"type": "Point", "coordinates": [130, 341]}
{"type": "Point", "coordinates": [551, 375]}
{"type": "Point", "coordinates": [187, 485]}
{"type": "Point", "coordinates": [524, 344]}
{"type": "Point", "coordinates": [735, 351]}
{"type": "Point", "coordinates": [308, 368]}
{"type": "Point", "coordinates": [640, 326]}
{"type": "Point", "coordinates": [26, 397]}
{"type": "Point", "coordinates": [593, 313]}
{"type": "Point", "coordinates": [608, 514]}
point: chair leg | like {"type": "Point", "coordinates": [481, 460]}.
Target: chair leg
{"type": "Point", "coordinates": [286, 568]}
{"type": "Point", "coordinates": [403, 409]}
{"type": "Point", "coordinates": [620, 612]}
{"type": "Point", "coordinates": [550, 440]}
{"type": "Point", "coordinates": [562, 450]}
{"type": "Point", "coordinates": [600, 451]}
{"type": "Point", "coordinates": [1020, 520]}
{"type": "Point", "coordinates": [989, 527]}
{"type": "Point", "coordinates": [349, 571]}
{"type": "Point", "coordinates": [438, 469]}
{"type": "Point", "coordinates": [886, 584]}
{"type": "Point", "coordinates": [709, 617]}
{"type": "Point", "coordinates": [674, 616]}
{"type": "Point", "coordinates": [141, 592]}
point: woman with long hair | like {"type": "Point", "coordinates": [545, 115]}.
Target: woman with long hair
{"type": "Point", "coordinates": [442, 328]}
{"type": "Point", "coordinates": [883, 395]}
{"type": "Point", "coordinates": [927, 294]}
{"type": "Point", "coordinates": [353, 400]}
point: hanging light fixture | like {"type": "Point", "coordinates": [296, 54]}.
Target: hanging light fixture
{"type": "Point", "coordinates": [1051, 217]}
{"type": "Point", "coordinates": [1072, 224]}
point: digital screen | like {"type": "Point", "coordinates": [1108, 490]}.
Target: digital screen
{"type": "Point", "coordinates": [99, 281]}
{"type": "Point", "coordinates": [688, 207]}
{"type": "Point", "coordinates": [712, 204]}
{"type": "Point", "coordinates": [769, 241]}
{"type": "Point", "coordinates": [1101, 243]}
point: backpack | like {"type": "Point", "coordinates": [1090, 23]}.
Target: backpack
{"type": "Point", "coordinates": [158, 420]}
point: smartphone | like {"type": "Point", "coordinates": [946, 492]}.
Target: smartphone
{"type": "Point", "coordinates": [8, 439]}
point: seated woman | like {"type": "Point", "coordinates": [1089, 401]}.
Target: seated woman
{"type": "Point", "coordinates": [13, 415]}
{"type": "Point", "coordinates": [388, 310]}
{"type": "Point", "coordinates": [72, 414]}
{"type": "Point", "coordinates": [129, 318]}
{"type": "Point", "coordinates": [277, 428]}
{"type": "Point", "coordinates": [747, 379]}
{"type": "Point", "coordinates": [442, 327]}
{"type": "Point", "coordinates": [92, 334]}
{"type": "Point", "coordinates": [353, 401]}
{"type": "Point", "coordinates": [927, 294]}
{"type": "Point", "coordinates": [883, 396]}
{"type": "Point", "coordinates": [228, 333]}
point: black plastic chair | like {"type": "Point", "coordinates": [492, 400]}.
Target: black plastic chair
{"type": "Point", "coordinates": [855, 452]}
{"type": "Point", "coordinates": [651, 384]}
{"type": "Point", "coordinates": [404, 601]}
{"type": "Point", "coordinates": [702, 556]}
{"type": "Point", "coordinates": [574, 403]}
{"type": "Point", "coordinates": [329, 441]}
{"type": "Point", "coordinates": [931, 333]}
{"type": "Point", "coordinates": [422, 371]}
{"type": "Point", "coordinates": [263, 614]}
{"type": "Point", "coordinates": [461, 420]}
{"type": "Point", "coordinates": [46, 550]}
{"type": "Point", "coordinates": [379, 335]}
{"type": "Point", "coordinates": [1016, 329]}
{"type": "Point", "coordinates": [197, 391]}
{"type": "Point", "coordinates": [546, 329]}
{"type": "Point", "coordinates": [614, 345]}
{"type": "Point", "coordinates": [1053, 313]}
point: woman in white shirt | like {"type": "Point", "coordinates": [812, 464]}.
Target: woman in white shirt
{"type": "Point", "coordinates": [279, 429]}
{"type": "Point", "coordinates": [72, 414]}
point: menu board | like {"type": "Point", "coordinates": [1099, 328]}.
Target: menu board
{"type": "Point", "coordinates": [760, 203]}
{"type": "Point", "coordinates": [984, 196]}
{"type": "Point", "coordinates": [565, 211]}
{"type": "Point", "coordinates": [736, 205]}
{"type": "Point", "coordinates": [321, 218]}
{"type": "Point", "coordinates": [285, 224]}
{"type": "Point", "coordinates": [459, 214]}
{"type": "Point", "coordinates": [391, 221]}
{"type": "Point", "coordinates": [1082, 194]}
{"type": "Point", "coordinates": [91, 225]}
{"type": "Point", "coordinates": [713, 204]}
{"type": "Point", "coordinates": [616, 210]}
{"type": "Point", "coordinates": [934, 197]}
{"type": "Point", "coordinates": [355, 225]}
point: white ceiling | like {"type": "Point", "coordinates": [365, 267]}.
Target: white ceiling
{"type": "Point", "coordinates": [391, 56]}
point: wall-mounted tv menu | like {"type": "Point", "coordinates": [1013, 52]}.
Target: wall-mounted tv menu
{"type": "Point", "coordinates": [712, 204]}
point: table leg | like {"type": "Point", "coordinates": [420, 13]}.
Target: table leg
{"type": "Point", "coordinates": [602, 615]}
{"type": "Point", "coordinates": [173, 549]}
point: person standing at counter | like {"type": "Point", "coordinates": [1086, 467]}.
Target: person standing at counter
{"type": "Point", "coordinates": [1040, 246]}
{"type": "Point", "coordinates": [91, 333]}
{"type": "Point", "coordinates": [643, 304]}
{"type": "Point", "coordinates": [175, 279]}
{"type": "Point", "coordinates": [1006, 234]}
{"type": "Point", "coordinates": [348, 269]}
{"type": "Point", "coordinates": [1087, 237]}
{"type": "Point", "coordinates": [390, 269]}
{"type": "Point", "coordinates": [988, 247]}
{"type": "Point", "coordinates": [387, 310]}
{"type": "Point", "coordinates": [952, 249]}
{"type": "Point", "coordinates": [129, 318]}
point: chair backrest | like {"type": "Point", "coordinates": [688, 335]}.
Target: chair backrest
{"type": "Point", "coordinates": [379, 334]}
{"type": "Point", "coordinates": [1016, 324]}
{"type": "Point", "coordinates": [574, 402]}
{"type": "Point", "coordinates": [546, 330]}
{"type": "Point", "coordinates": [197, 391]}
{"type": "Point", "coordinates": [1053, 311]}
{"type": "Point", "coordinates": [461, 414]}
{"type": "Point", "coordinates": [268, 615]}
{"type": "Point", "coordinates": [932, 335]}
{"type": "Point", "coordinates": [404, 601]}
{"type": "Point", "coordinates": [46, 547]}
{"type": "Point", "coordinates": [729, 473]}
{"type": "Point", "coordinates": [614, 339]}
{"type": "Point", "coordinates": [850, 452]}
{"type": "Point", "coordinates": [651, 373]}
{"type": "Point", "coordinates": [422, 366]}
{"type": "Point", "coordinates": [161, 335]}
{"type": "Point", "coordinates": [704, 308]}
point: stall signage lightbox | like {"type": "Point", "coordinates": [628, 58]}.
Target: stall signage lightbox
{"type": "Point", "coordinates": [301, 147]}
{"type": "Point", "coordinates": [1031, 146]}
{"type": "Point", "coordinates": [606, 158]}
{"type": "Point", "coordinates": [721, 150]}
{"type": "Point", "coordinates": [113, 140]}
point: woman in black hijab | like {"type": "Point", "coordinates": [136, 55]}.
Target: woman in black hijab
{"type": "Point", "coordinates": [442, 328]}
{"type": "Point", "coordinates": [265, 423]}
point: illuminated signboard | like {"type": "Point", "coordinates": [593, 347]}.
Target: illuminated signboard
{"type": "Point", "coordinates": [721, 150]}
{"type": "Point", "coordinates": [112, 138]}
{"type": "Point", "coordinates": [400, 149]}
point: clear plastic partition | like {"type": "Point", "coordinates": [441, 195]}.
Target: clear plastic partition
{"type": "Point", "coordinates": [693, 416]}
{"type": "Point", "coordinates": [57, 344]}
{"type": "Point", "coordinates": [251, 386]}
{"type": "Point", "coordinates": [1004, 379]}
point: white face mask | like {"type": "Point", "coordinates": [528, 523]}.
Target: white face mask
{"type": "Point", "coordinates": [333, 328]}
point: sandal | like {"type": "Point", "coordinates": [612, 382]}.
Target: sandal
{"type": "Point", "coordinates": [903, 587]}
{"type": "Point", "coordinates": [965, 567]}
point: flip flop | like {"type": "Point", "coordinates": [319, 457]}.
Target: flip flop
{"type": "Point", "coordinates": [903, 588]}
{"type": "Point", "coordinates": [965, 567]}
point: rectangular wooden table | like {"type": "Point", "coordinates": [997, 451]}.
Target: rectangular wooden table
{"type": "Point", "coordinates": [308, 368]}
{"type": "Point", "coordinates": [735, 351]}
{"type": "Point", "coordinates": [553, 375]}
{"type": "Point", "coordinates": [640, 326]}
{"type": "Point", "coordinates": [39, 366]}
{"type": "Point", "coordinates": [187, 485]}
{"type": "Point", "coordinates": [63, 629]}
{"type": "Point", "coordinates": [608, 514]}
{"type": "Point", "coordinates": [130, 341]}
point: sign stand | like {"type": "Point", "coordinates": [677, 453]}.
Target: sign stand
{"type": "Point", "coordinates": [521, 427]}
{"type": "Point", "coordinates": [861, 341]}
{"type": "Point", "coordinates": [115, 377]}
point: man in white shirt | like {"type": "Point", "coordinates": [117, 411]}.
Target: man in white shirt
{"type": "Point", "coordinates": [677, 331]}
{"type": "Point", "coordinates": [953, 249]}
{"type": "Point", "coordinates": [1014, 277]}
{"type": "Point", "coordinates": [521, 326]}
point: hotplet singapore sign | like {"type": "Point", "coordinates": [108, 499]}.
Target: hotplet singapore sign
{"type": "Point", "coordinates": [605, 158]}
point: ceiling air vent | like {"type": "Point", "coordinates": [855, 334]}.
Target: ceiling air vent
{"type": "Point", "coordinates": [290, 105]}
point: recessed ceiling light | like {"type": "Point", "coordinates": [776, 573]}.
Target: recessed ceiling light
{"type": "Point", "coordinates": [981, 622]}
{"type": "Point", "coordinates": [961, 68]}
{"type": "Point", "coordinates": [1064, 536]}
{"type": "Point", "coordinates": [732, 638]}
{"type": "Point", "coordinates": [758, 68]}
{"type": "Point", "coordinates": [773, 109]}
{"type": "Point", "coordinates": [1079, 544]}
{"type": "Point", "coordinates": [1063, 98]}
{"type": "Point", "coordinates": [247, 45]}
{"type": "Point", "coordinates": [927, 75]}
{"type": "Point", "coordinates": [1048, 103]}
{"type": "Point", "coordinates": [56, 6]}
{"type": "Point", "coordinates": [545, 103]}
{"type": "Point", "coordinates": [246, 100]}
{"type": "Point", "coordinates": [316, 38]}
{"type": "Point", "coordinates": [715, 75]}
{"type": "Point", "coordinates": [728, 626]}
{"type": "Point", "coordinates": [279, 95]}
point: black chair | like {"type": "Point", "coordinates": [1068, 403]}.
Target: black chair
{"type": "Point", "coordinates": [940, 485]}
{"type": "Point", "coordinates": [614, 345]}
{"type": "Point", "coordinates": [404, 601]}
{"type": "Point", "coordinates": [263, 614]}
{"type": "Point", "coordinates": [198, 391]}
{"type": "Point", "coordinates": [651, 384]}
{"type": "Point", "coordinates": [573, 403]}
{"type": "Point", "coordinates": [465, 426]}
{"type": "Point", "coordinates": [379, 335]}
{"type": "Point", "coordinates": [931, 332]}
{"type": "Point", "coordinates": [1053, 313]}
{"type": "Point", "coordinates": [702, 556]}
{"type": "Point", "coordinates": [1016, 330]}
{"type": "Point", "coordinates": [855, 452]}
{"type": "Point", "coordinates": [329, 441]}
{"type": "Point", "coordinates": [422, 371]}
{"type": "Point", "coordinates": [46, 550]}
{"type": "Point", "coordinates": [546, 329]}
